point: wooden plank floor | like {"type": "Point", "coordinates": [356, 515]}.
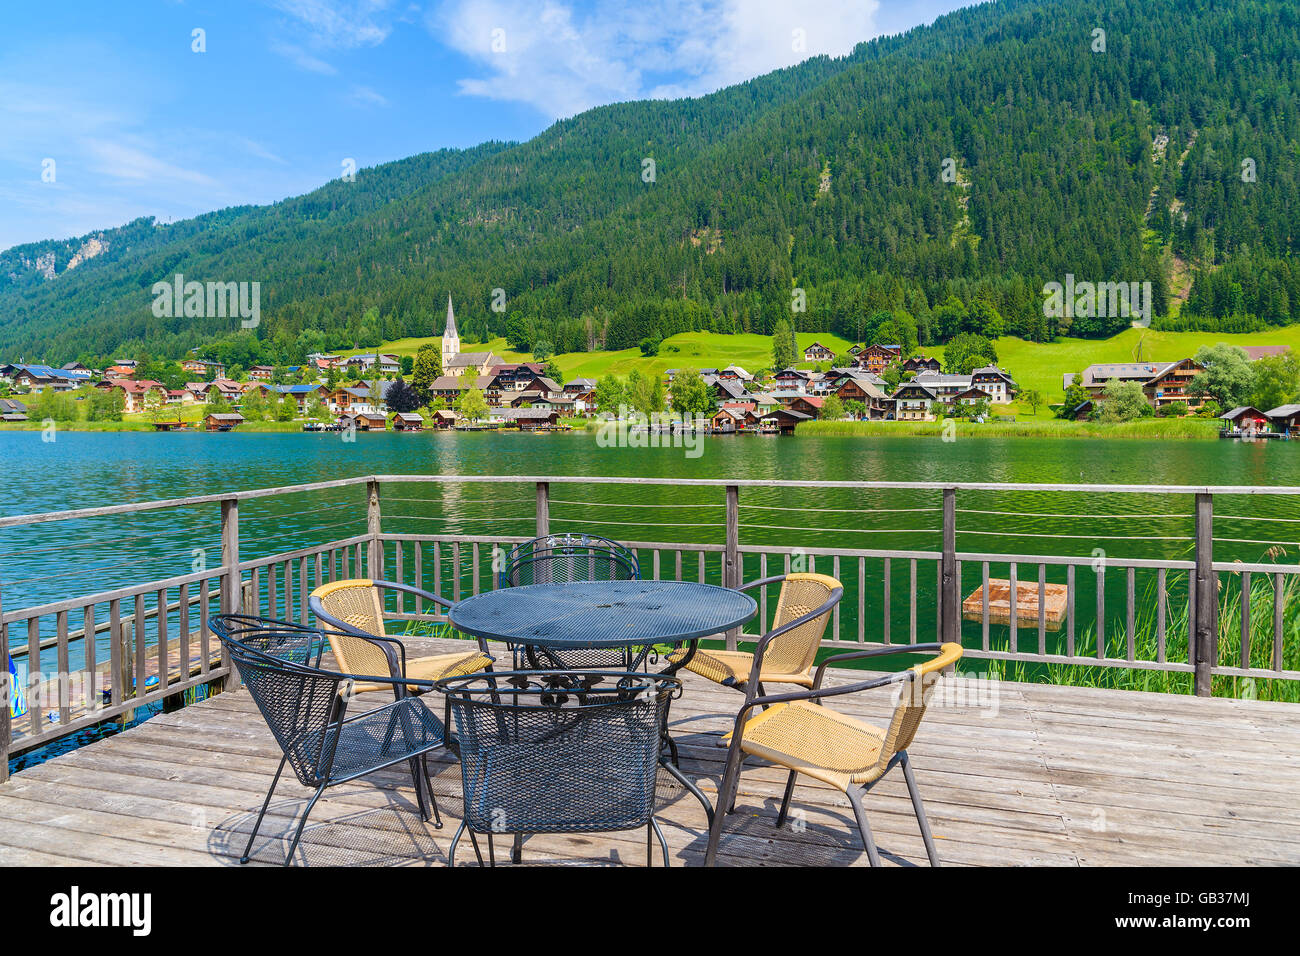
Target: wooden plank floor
{"type": "Point", "coordinates": [1049, 776]}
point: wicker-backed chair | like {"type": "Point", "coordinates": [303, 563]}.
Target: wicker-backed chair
{"type": "Point", "coordinates": [558, 752]}
{"type": "Point", "coordinates": [354, 611]}
{"type": "Point", "coordinates": [796, 732]}
{"type": "Point", "coordinates": [560, 559]}
{"type": "Point", "coordinates": [789, 649]}
{"type": "Point", "coordinates": [305, 708]}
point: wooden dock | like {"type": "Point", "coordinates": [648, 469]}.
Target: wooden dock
{"type": "Point", "coordinates": [1051, 776]}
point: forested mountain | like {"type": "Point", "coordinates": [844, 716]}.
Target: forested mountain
{"type": "Point", "coordinates": [938, 178]}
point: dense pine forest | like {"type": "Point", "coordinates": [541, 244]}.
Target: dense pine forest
{"type": "Point", "coordinates": [935, 180]}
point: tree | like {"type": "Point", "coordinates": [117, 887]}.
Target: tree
{"type": "Point", "coordinates": [644, 392]}
{"type": "Point", "coordinates": [472, 404]}
{"type": "Point", "coordinates": [966, 352]}
{"type": "Point", "coordinates": [543, 350]}
{"type": "Point", "coordinates": [1227, 375]}
{"type": "Point", "coordinates": [610, 395]}
{"type": "Point", "coordinates": [856, 409]}
{"type": "Point", "coordinates": [427, 370]}
{"type": "Point", "coordinates": [402, 397]}
{"type": "Point", "coordinates": [1033, 398]}
{"type": "Point", "coordinates": [691, 396]}
{"type": "Point", "coordinates": [1173, 410]}
{"type": "Point", "coordinates": [1277, 381]}
{"type": "Point", "coordinates": [408, 364]}
{"type": "Point", "coordinates": [832, 408]}
{"type": "Point", "coordinates": [286, 409]}
{"type": "Point", "coordinates": [105, 405]}
{"type": "Point", "coordinates": [783, 354]}
{"type": "Point", "coordinates": [552, 371]}
{"type": "Point", "coordinates": [1075, 395]}
{"type": "Point", "coordinates": [316, 409]}
{"type": "Point", "coordinates": [1123, 402]}
{"type": "Point", "coordinates": [650, 345]}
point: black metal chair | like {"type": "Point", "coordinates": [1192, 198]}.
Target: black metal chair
{"type": "Point", "coordinates": [560, 559]}
{"type": "Point", "coordinates": [305, 709]}
{"type": "Point", "coordinates": [558, 752]}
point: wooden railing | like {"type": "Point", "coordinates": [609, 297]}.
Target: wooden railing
{"type": "Point", "coordinates": [159, 646]}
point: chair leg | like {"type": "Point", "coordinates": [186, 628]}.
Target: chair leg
{"type": "Point", "coordinates": [785, 800]}
{"type": "Point", "coordinates": [433, 801]}
{"type": "Point", "coordinates": [451, 851]}
{"type": "Point", "coordinates": [663, 844]}
{"type": "Point", "coordinates": [690, 788]}
{"type": "Point", "coordinates": [855, 798]}
{"type": "Point", "coordinates": [474, 840]}
{"type": "Point", "coordinates": [517, 848]}
{"type": "Point", "coordinates": [414, 764]}
{"type": "Point", "coordinates": [919, 807]}
{"type": "Point", "coordinates": [731, 808]}
{"type": "Point", "coordinates": [302, 823]}
{"type": "Point", "coordinates": [265, 803]}
{"type": "Point", "coordinates": [726, 798]}
{"type": "Point", "coordinates": [492, 851]}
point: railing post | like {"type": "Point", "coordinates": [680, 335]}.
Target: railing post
{"type": "Point", "coordinates": [732, 572]}
{"type": "Point", "coordinates": [950, 600]}
{"type": "Point", "coordinates": [1205, 643]}
{"type": "Point", "coordinates": [543, 508]}
{"type": "Point", "coordinates": [375, 557]}
{"type": "Point", "coordinates": [6, 731]}
{"type": "Point", "coordinates": [232, 598]}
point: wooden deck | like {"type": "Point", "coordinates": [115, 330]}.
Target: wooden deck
{"type": "Point", "coordinates": [1057, 776]}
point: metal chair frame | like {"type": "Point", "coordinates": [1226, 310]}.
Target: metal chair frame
{"type": "Point", "coordinates": [755, 698]}
{"type": "Point", "coordinates": [321, 775]}
{"type": "Point", "coordinates": [550, 689]}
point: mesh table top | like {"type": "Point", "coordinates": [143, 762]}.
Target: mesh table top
{"type": "Point", "coordinates": [589, 614]}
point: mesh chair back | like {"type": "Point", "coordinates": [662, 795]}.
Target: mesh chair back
{"type": "Point", "coordinates": [561, 558]}
{"type": "Point", "coordinates": [298, 702]}
{"type": "Point", "coordinates": [357, 603]}
{"type": "Point", "coordinates": [795, 651]}
{"type": "Point", "coordinates": [914, 697]}
{"type": "Point", "coordinates": [282, 640]}
{"type": "Point", "coordinates": [548, 752]}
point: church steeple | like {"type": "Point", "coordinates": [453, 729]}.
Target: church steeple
{"type": "Point", "coordinates": [450, 340]}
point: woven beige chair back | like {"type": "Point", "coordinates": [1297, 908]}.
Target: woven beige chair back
{"type": "Point", "coordinates": [795, 651]}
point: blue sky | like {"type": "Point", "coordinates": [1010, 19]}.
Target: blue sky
{"type": "Point", "coordinates": [136, 122]}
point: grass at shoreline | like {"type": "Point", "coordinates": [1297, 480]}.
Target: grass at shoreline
{"type": "Point", "coordinates": [1175, 428]}
{"type": "Point", "coordinates": [139, 426]}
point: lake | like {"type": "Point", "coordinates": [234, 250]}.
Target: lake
{"type": "Point", "coordinates": [50, 561]}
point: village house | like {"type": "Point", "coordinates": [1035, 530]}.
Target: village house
{"type": "Point", "coordinates": [407, 422]}
{"type": "Point", "coordinates": [261, 373]}
{"type": "Point", "coordinates": [136, 395]}
{"type": "Point", "coordinates": [38, 378]}
{"type": "Point", "coordinates": [515, 377]}
{"type": "Point", "coordinates": [875, 358]}
{"type": "Point", "coordinates": [735, 417]}
{"type": "Point", "coordinates": [784, 419]}
{"type": "Point", "coordinates": [528, 419]}
{"type": "Point", "coordinates": [12, 410]}
{"type": "Point", "coordinates": [817, 353]}
{"type": "Point", "coordinates": [366, 421]}
{"type": "Point", "coordinates": [859, 388]}
{"type": "Point", "coordinates": [120, 370]}
{"type": "Point", "coordinates": [999, 384]}
{"type": "Point", "coordinates": [914, 402]}
{"type": "Point", "coordinates": [1162, 382]}
{"type": "Point", "coordinates": [203, 367]}
{"type": "Point", "coordinates": [325, 362]}
{"type": "Point", "coordinates": [1285, 419]}
{"type": "Point", "coordinates": [443, 418]}
{"type": "Point", "coordinates": [222, 421]}
{"type": "Point", "coordinates": [809, 405]}
{"type": "Point", "coordinates": [791, 380]}
{"type": "Point", "coordinates": [920, 363]}
{"type": "Point", "coordinates": [385, 363]}
{"type": "Point", "coordinates": [1246, 420]}
{"type": "Point", "coordinates": [735, 373]}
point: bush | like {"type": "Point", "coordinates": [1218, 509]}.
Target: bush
{"type": "Point", "coordinates": [1173, 410]}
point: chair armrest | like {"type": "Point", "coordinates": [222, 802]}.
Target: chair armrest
{"type": "Point", "coordinates": [761, 582]}
{"type": "Point", "coordinates": [411, 589]}
{"type": "Point", "coordinates": [870, 652]}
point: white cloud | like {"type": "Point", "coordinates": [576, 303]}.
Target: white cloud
{"type": "Point", "coordinates": [122, 161]}
{"type": "Point", "coordinates": [563, 60]}
{"type": "Point", "coordinates": [341, 24]}
{"type": "Point", "coordinates": [365, 96]}
{"type": "Point", "coordinates": [302, 59]}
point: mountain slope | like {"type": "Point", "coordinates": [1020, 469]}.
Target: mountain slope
{"type": "Point", "coordinates": [1052, 144]}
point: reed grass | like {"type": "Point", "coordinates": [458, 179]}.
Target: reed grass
{"type": "Point", "coordinates": [1173, 428]}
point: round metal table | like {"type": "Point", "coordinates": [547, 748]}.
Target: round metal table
{"type": "Point", "coordinates": [582, 615]}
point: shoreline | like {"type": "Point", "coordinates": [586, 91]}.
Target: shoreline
{"type": "Point", "coordinates": [1166, 429]}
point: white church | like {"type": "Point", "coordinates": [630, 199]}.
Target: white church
{"type": "Point", "coordinates": [454, 361]}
